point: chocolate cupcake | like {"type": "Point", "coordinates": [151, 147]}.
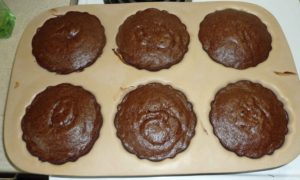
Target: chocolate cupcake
{"type": "Point", "coordinates": [69, 42]}
{"type": "Point", "coordinates": [248, 119]}
{"type": "Point", "coordinates": [235, 38]}
{"type": "Point", "coordinates": [152, 39]}
{"type": "Point", "coordinates": [155, 122]}
{"type": "Point", "coordinates": [61, 124]}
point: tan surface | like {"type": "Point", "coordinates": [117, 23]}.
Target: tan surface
{"type": "Point", "coordinates": [109, 79]}
{"type": "Point", "coordinates": [24, 11]}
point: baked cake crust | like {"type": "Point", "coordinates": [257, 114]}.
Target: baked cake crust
{"type": "Point", "coordinates": [69, 42]}
{"type": "Point", "coordinates": [248, 119]}
{"type": "Point", "coordinates": [61, 124]}
{"type": "Point", "coordinates": [155, 122]}
{"type": "Point", "coordinates": [235, 38]}
{"type": "Point", "coordinates": [152, 39]}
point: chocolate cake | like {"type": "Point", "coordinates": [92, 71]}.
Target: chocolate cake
{"type": "Point", "coordinates": [248, 119]}
{"type": "Point", "coordinates": [61, 124]}
{"type": "Point", "coordinates": [69, 42]}
{"type": "Point", "coordinates": [155, 122]}
{"type": "Point", "coordinates": [152, 39]}
{"type": "Point", "coordinates": [235, 38]}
